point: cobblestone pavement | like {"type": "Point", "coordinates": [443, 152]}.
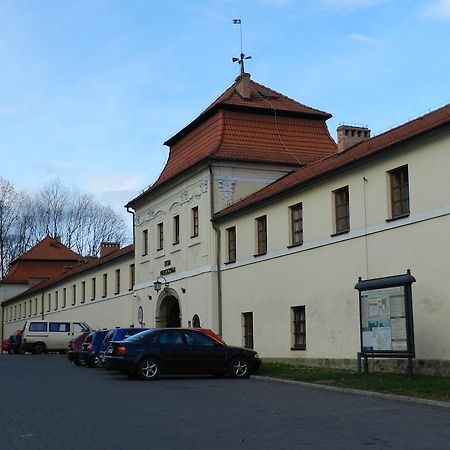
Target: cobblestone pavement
{"type": "Point", "coordinates": [49, 404]}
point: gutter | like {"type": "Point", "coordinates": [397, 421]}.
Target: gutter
{"type": "Point", "coordinates": [218, 253]}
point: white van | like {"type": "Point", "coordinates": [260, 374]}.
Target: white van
{"type": "Point", "coordinates": [40, 336]}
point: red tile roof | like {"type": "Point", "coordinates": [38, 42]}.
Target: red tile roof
{"type": "Point", "coordinates": [90, 264]}
{"type": "Point", "coordinates": [268, 127]}
{"type": "Point", "coordinates": [382, 142]}
{"type": "Point", "coordinates": [47, 258]}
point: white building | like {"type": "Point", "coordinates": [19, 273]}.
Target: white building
{"type": "Point", "coordinates": [259, 227]}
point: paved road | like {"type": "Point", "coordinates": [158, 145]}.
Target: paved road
{"type": "Point", "coordinates": [48, 404]}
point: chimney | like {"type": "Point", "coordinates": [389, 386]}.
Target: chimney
{"type": "Point", "coordinates": [348, 136]}
{"type": "Point", "coordinates": [108, 247]}
{"type": "Point", "coordinates": [34, 281]}
{"type": "Point", "coordinates": [243, 86]}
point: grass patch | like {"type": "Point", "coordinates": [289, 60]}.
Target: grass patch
{"type": "Point", "coordinates": [433, 388]}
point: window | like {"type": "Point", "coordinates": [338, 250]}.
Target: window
{"type": "Point", "coordinates": [64, 298]}
{"type": "Point", "coordinates": [298, 328]}
{"type": "Point", "coordinates": [399, 192]}
{"type": "Point", "coordinates": [56, 300]}
{"type": "Point", "coordinates": [117, 281]}
{"type": "Point", "coordinates": [132, 275]}
{"type": "Point", "coordinates": [231, 244]}
{"type": "Point", "coordinates": [194, 217]}
{"type": "Point", "coordinates": [93, 289]}
{"type": "Point", "coordinates": [145, 242]}
{"type": "Point", "coordinates": [83, 291]}
{"type": "Point", "coordinates": [176, 230]}
{"type": "Point", "coordinates": [261, 235]}
{"type": "Point", "coordinates": [160, 236]}
{"type": "Point", "coordinates": [59, 327]}
{"type": "Point", "coordinates": [20, 310]}
{"type": "Point", "coordinates": [171, 337]}
{"type": "Point", "coordinates": [342, 210]}
{"type": "Point", "coordinates": [74, 294]}
{"type": "Point", "coordinates": [296, 224]}
{"type": "Point", "coordinates": [30, 308]}
{"type": "Point", "coordinates": [247, 325]}
{"type": "Point", "coordinates": [105, 285]}
{"type": "Point", "coordinates": [35, 306]}
{"type": "Point", "coordinates": [49, 302]}
{"type": "Point", "coordinates": [38, 326]}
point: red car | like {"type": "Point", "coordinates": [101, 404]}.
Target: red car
{"type": "Point", "coordinates": [75, 349]}
{"type": "Point", "coordinates": [13, 344]}
{"type": "Point", "coordinates": [211, 334]}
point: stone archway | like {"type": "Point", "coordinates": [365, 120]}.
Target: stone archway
{"type": "Point", "coordinates": [168, 314]}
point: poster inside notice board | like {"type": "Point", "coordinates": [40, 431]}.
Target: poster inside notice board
{"type": "Point", "coordinates": [383, 320]}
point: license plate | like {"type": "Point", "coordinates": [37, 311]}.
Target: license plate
{"type": "Point", "coordinates": [110, 350]}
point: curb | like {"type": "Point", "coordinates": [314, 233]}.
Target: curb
{"type": "Point", "coordinates": [399, 398]}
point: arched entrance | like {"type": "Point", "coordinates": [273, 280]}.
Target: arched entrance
{"type": "Point", "coordinates": [168, 314]}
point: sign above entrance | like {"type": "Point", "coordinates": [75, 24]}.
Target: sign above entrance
{"type": "Point", "coordinates": [167, 271]}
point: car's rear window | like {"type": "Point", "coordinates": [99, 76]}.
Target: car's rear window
{"type": "Point", "coordinates": [148, 336]}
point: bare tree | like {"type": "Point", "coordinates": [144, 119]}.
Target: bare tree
{"type": "Point", "coordinates": [12, 211]}
{"type": "Point", "coordinates": [78, 219]}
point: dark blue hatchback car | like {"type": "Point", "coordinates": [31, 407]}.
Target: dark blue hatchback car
{"type": "Point", "coordinates": [90, 348]}
{"type": "Point", "coordinates": [178, 350]}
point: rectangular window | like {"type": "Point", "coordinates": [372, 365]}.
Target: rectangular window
{"type": "Point", "coordinates": [49, 302]}
{"type": "Point", "coordinates": [35, 306]}
{"type": "Point", "coordinates": [64, 298]}
{"type": "Point", "coordinates": [117, 281]}
{"type": "Point", "coordinates": [74, 294]}
{"type": "Point", "coordinates": [296, 224]}
{"type": "Point", "coordinates": [93, 289]}
{"type": "Point", "coordinates": [83, 291]}
{"type": "Point", "coordinates": [231, 244]}
{"type": "Point", "coordinates": [59, 327]}
{"type": "Point", "coordinates": [24, 309]}
{"type": "Point", "coordinates": [194, 218]}
{"type": "Point", "coordinates": [342, 210]}
{"type": "Point", "coordinates": [56, 300]}
{"type": "Point", "coordinates": [160, 236]}
{"type": "Point", "coordinates": [132, 275]}
{"type": "Point", "coordinates": [38, 326]}
{"type": "Point", "coordinates": [298, 328]}
{"type": "Point", "coordinates": [15, 312]}
{"type": "Point", "coordinates": [261, 235]}
{"type": "Point", "coordinates": [30, 308]}
{"type": "Point", "coordinates": [105, 285]}
{"type": "Point", "coordinates": [247, 325]}
{"type": "Point", "coordinates": [145, 242]}
{"type": "Point", "coordinates": [399, 192]}
{"type": "Point", "coordinates": [176, 230]}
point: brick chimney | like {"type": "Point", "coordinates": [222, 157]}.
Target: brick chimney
{"type": "Point", "coordinates": [243, 86]}
{"type": "Point", "coordinates": [108, 247]}
{"type": "Point", "coordinates": [348, 136]}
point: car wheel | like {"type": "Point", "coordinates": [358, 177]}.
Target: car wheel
{"type": "Point", "coordinates": [95, 362]}
{"type": "Point", "coordinates": [148, 369]}
{"type": "Point", "coordinates": [239, 368]}
{"type": "Point", "coordinates": [77, 362]}
{"type": "Point", "coordinates": [39, 348]}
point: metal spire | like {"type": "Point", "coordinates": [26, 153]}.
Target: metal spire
{"type": "Point", "coordinates": [242, 56]}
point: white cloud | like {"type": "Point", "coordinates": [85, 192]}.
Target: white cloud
{"type": "Point", "coordinates": [437, 9]}
{"type": "Point", "coordinates": [362, 38]}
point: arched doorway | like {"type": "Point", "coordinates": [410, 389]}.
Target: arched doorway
{"type": "Point", "coordinates": [196, 321]}
{"type": "Point", "coordinates": [168, 314]}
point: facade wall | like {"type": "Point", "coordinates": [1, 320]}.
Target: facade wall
{"type": "Point", "coordinates": [321, 273]}
{"type": "Point", "coordinates": [64, 300]}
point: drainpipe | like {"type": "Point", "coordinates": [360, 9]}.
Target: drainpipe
{"type": "Point", "coordinates": [218, 258]}
{"type": "Point", "coordinates": [131, 211]}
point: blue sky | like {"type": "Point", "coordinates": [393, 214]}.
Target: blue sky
{"type": "Point", "coordinates": [90, 89]}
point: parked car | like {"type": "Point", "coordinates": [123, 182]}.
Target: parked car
{"type": "Point", "coordinates": [90, 348]}
{"type": "Point", "coordinates": [13, 344]}
{"type": "Point", "coordinates": [40, 336]}
{"type": "Point", "coordinates": [179, 350]}
{"type": "Point", "coordinates": [73, 353]}
{"type": "Point", "coordinates": [116, 334]}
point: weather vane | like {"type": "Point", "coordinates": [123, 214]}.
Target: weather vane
{"type": "Point", "coordinates": [242, 56]}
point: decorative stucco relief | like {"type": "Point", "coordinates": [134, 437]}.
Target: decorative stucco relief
{"type": "Point", "coordinates": [226, 189]}
{"type": "Point", "coordinates": [186, 196]}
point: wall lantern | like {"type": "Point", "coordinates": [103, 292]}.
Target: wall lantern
{"type": "Point", "coordinates": [158, 284]}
